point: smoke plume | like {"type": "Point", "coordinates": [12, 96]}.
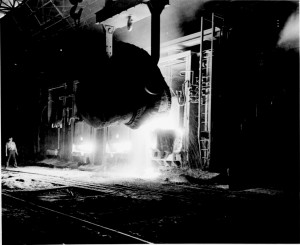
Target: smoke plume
{"type": "Point", "coordinates": [289, 36]}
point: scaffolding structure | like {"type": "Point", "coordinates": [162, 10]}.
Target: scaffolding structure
{"type": "Point", "coordinates": [205, 85]}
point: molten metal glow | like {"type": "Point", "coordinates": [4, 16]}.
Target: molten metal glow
{"type": "Point", "coordinates": [168, 121]}
{"type": "Point", "coordinates": [164, 122]}
{"type": "Point", "coordinates": [144, 141]}
{"type": "Point", "coordinates": [140, 162]}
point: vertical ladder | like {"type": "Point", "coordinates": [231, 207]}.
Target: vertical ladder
{"type": "Point", "coordinates": [205, 88]}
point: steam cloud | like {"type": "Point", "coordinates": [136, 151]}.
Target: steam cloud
{"type": "Point", "coordinates": [289, 36]}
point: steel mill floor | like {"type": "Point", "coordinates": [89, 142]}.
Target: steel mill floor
{"type": "Point", "coordinates": [50, 205]}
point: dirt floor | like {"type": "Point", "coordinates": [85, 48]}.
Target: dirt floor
{"type": "Point", "coordinates": [173, 206]}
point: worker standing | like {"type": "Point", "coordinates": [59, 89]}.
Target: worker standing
{"type": "Point", "coordinates": [12, 151]}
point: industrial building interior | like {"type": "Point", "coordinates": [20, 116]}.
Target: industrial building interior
{"type": "Point", "coordinates": [186, 109]}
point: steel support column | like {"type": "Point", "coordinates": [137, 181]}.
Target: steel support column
{"type": "Point", "coordinates": [156, 7]}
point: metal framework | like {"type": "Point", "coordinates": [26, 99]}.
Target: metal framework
{"type": "Point", "coordinates": [8, 5]}
{"type": "Point", "coordinates": [205, 89]}
{"type": "Point", "coordinates": [43, 18]}
{"type": "Point", "coordinates": [198, 90]}
{"type": "Point", "coordinates": [186, 59]}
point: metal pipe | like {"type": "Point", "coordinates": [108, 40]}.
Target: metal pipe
{"type": "Point", "coordinates": [187, 108]}
{"type": "Point", "coordinates": [49, 105]}
{"type": "Point", "coordinates": [62, 86]}
{"type": "Point", "coordinates": [73, 116]}
{"type": "Point", "coordinates": [63, 128]}
{"type": "Point", "coordinates": [58, 139]}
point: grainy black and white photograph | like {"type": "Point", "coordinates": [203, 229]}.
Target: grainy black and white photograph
{"type": "Point", "coordinates": [149, 121]}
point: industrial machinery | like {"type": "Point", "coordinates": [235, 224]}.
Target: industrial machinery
{"type": "Point", "coordinates": [182, 134]}
{"type": "Point", "coordinates": [189, 76]}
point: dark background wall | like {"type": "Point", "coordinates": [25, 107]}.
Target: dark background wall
{"type": "Point", "coordinates": [256, 98]}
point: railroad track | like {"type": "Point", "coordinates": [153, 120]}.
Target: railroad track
{"type": "Point", "coordinates": [67, 183]}
{"type": "Point", "coordinates": [104, 189]}
{"type": "Point", "coordinates": [79, 220]}
{"type": "Point", "coordinates": [114, 189]}
{"type": "Point", "coordinates": [110, 209]}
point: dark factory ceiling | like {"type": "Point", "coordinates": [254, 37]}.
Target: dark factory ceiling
{"type": "Point", "coordinates": [44, 18]}
{"type": "Point", "coordinates": [39, 29]}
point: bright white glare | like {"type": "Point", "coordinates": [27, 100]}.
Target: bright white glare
{"type": "Point", "coordinates": [83, 148]}
{"type": "Point", "coordinates": [139, 162]}
{"type": "Point", "coordinates": [159, 122]}
{"type": "Point", "coordinates": [141, 157]}
{"type": "Point", "coordinates": [132, 170]}
{"type": "Point", "coordinates": [166, 121]}
{"type": "Point", "coordinates": [118, 147]}
{"type": "Point", "coordinates": [143, 141]}
{"type": "Point", "coordinates": [153, 141]}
